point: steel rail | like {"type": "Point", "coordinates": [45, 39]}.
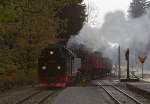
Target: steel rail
{"type": "Point", "coordinates": [121, 91]}
{"type": "Point", "coordinates": [134, 99]}
{"type": "Point", "coordinates": [46, 97]}
{"type": "Point", "coordinates": [116, 101]}
{"type": "Point", "coordinates": [23, 100]}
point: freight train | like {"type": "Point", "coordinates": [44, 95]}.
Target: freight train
{"type": "Point", "coordinates": [59, 66]}
{"type": "Point", "coordinates": [94, 65]}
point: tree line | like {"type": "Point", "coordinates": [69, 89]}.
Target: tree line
{"type": "Point", "coordinates": [138, 8]}
{"type": "Point", "coordinates": [28, 26]}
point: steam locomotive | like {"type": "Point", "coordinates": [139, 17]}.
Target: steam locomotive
{"type": "Point", "coordinates": [60, 66]}
{"type": "Point", "coordinates": [57, 66]}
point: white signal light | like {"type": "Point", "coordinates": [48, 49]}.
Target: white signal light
{"type": "Point", "coordinates": [44, 67]}
{"type": "Point", "coordinates": [51, 52]}
{"type": "Point", "coordinates": [58, 67]}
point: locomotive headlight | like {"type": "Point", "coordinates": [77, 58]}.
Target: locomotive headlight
{"type": "Point", "coordinates": [58, 67]}
{"type": "Point", "coordinates": [44, 67]}
{"type": "Point", "coordinates": [51, 52]}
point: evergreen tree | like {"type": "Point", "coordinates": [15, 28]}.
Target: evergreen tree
{"type": "Point", "coordinates": [72, 18]}
{"type": "Point", "coordinates": [148, 4]}
{"type": "Point", "coordinates": [137, 8]}
{"type": "Point", "coordinates": [27, 27]}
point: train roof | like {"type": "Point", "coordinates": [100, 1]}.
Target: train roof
{"type": "Point", "coordinates": [58, 45]}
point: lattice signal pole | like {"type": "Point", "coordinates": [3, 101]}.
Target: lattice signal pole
{"type": "Point", "coordinates": [142, 60]}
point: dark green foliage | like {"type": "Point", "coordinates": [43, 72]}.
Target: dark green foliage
{"type": "Point", "coordinates": [28, 26]}
{"type": "Point", "coordinates": [72, 18]}
{"type": "Point", "coordinates": [137, 8]}
{"type": "Point", "coordinates": [4, 3]}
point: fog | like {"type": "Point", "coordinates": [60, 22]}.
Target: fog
{"type": "Point", "coordinates": [118, 30]}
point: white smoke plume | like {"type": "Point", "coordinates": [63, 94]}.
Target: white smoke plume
{"type": "Point", "coordinates": [118, 30]}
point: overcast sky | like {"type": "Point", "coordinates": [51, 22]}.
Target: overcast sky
{"type": "Point", "coordinates": [99, 8]}
{"type": "Point", "coordinates": [107, 33]}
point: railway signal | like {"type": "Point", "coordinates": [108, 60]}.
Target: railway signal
{"type": "Point", "coordinates": [142, 60]}
{"type": "Point", "coordinates": [127, 58]}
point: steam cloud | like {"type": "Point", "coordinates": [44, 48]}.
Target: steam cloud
{"type": "Point", "coordinates": [118, 30]}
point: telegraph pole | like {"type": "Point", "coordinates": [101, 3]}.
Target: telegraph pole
{"type": "Point", "coordinates": [119, 71]}
{"type": "Point", "coordinates": [142, 71]}
{"type": "Point", "coordinates": [88, 11]}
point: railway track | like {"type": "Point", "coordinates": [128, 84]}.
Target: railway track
{"type": "Point", "coordinates": [118, 95]}
{"type": "Point", "coordinates": [38, 97]}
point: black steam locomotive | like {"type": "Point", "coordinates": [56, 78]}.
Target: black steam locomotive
{"type": "Point", "coordinates": [57, 66]}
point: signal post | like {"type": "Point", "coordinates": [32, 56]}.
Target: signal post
{"type": "Point", "coordinates": [127, 59]}
{"type": "Point", "coordinates": [142, 60]}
